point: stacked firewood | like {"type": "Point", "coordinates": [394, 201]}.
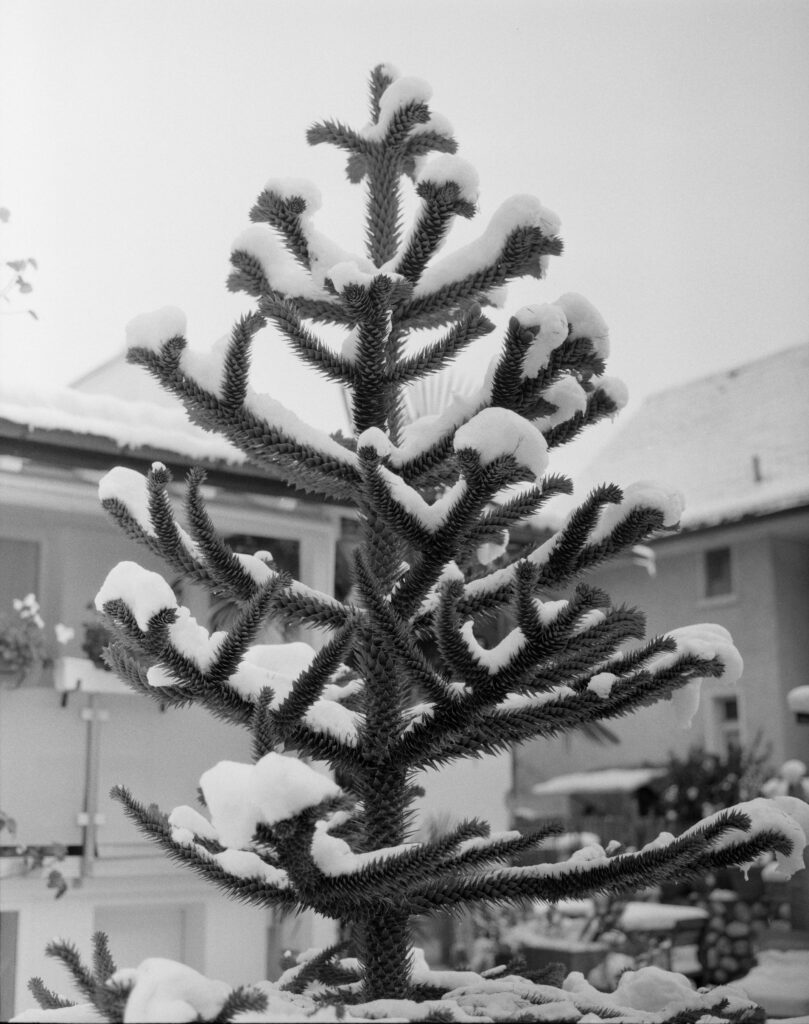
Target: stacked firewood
{"type": "Point", "coordinates": [726, 950]}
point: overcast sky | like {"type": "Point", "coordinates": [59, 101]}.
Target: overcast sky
{"type": "Point", "coordinates": [672, 138]}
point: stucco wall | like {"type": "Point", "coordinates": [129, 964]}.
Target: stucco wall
{"type": "Point", "coordinates": [762, 588]}
{"type": "Point", "coordinates": [159, 755]}
{"type": "Point", "coordinates": [791, 573]}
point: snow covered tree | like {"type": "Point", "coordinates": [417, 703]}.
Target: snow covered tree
{"type": "Point", "coordinates": [401, 682]}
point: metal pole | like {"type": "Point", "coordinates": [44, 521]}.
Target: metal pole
{"type": "Point", "coordinates": [94, 716]}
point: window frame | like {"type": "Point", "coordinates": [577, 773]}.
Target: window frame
{"type": "Point", "coordinates": [10, 537]}
{"type": "Point", "coordinates": [718, 726]}
{"type": "Point", "coordinates": [724, 597]}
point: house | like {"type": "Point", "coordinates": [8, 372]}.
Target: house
{"type": "Point", "coordinates": [61, 752]}
{"type": "Point", "coordinates": [737, 445]}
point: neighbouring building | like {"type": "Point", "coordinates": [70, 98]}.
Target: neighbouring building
{"type": "Point", "coordinates": [60, 753]}
{"type": "Point", "coordinates": [737, 445]}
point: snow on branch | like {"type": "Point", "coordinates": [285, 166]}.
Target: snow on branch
{"type": "Point", "coordinates": [240, 877]}
{"type": "Point", "coordinates": [267, 432]}
{"type": "Point", "coordinates": [705, 641]}
{"type": "Point", "coordinates": [493, 434]}
{"type": "Point", "coordinates": [221, 669]}
{"type": "Point", "coordinates": [141, 506]}
{"type": "Point", "coordinates": [276, 788]}
{"type": "Point", "coordinates": [435, 356]}
{"type": "Point", "coordinates": [448, 187]}
{"type": "Point", "coordinates": [283, 274]}
{"type": "Point", "coordinates": [145, 593]}
{"type": "Point", "coordinates": [785, 816]}
{"type": "Point", "coordinates": [643, 494]}
{"type": "Point", "coordinates": [152, 330]}
{"type": "Point", "coordinates": [518, 241]}
{"type": "Point", "coordinates": [731, 837]}
{"type": "Point", "coordinates": [400, 96]}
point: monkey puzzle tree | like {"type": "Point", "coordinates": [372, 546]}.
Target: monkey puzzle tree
{"type": "Point", "coordinates": [422, 691]}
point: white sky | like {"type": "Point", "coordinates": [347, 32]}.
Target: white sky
{"type": "Point", "coordinates": [671, 137]}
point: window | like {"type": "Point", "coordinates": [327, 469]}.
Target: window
{"type": "Point", "coordinates": [19, 570]}
{"type": "Point", "coordinates": [717, 576]}
{"type": "Point", "coordinates": [286, 556]}
{"type": "Point", "coordinates": [285, 552]}
{"type": "Point", "coordinates": [143, 930]}
{"type": "Point", "coordinates": [725, 725]}
{"type": "Point", "coordinates": [9, 925]}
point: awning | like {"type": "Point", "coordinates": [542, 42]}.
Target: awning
{"type": "Point", "coordinates": [608, 780]}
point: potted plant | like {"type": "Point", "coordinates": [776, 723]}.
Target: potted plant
{"type": "Point", "coordinates": [90, 673]}
{"type": "Point", "coordinates": [16, 859]}
{"type": "Point", "coordinates": [24, 647]}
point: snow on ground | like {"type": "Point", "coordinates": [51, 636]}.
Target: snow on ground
{"type": "Point", "coordinates": [779, 983]}
{"type": "Point", "coordinates": [164, 990]}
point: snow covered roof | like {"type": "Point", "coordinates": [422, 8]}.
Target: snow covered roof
{"type": "Point", "coordinates": [127, 424]}
{"type": "Point", "coordinates": [735, 443]}
{"type": "Point", "coordinates": [66, 428]}
{"type": "Point", "coordinates": [607, 780]}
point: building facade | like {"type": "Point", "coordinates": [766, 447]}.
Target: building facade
{"type": "Point", "coordinates": [61, 752]}
{"type": "Point", "coordinates": [737, 445]}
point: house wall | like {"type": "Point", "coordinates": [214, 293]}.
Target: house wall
{"type": "Point", "coordinates": [150, 906]}
{"type": "Point", "coordinates": [766, 615]}
{"type": "Point", "coordinates": [160, 755]}
{"type": "Point", "coordinates": [80, 543]}
{"type": "Point", "coordinates": [466, 789]}
{"type": "Point", "coordinates": [168, 912]}
{"type": "Point", "coordinates": [791, 571]}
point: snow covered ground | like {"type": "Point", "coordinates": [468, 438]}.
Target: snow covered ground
{"type": "Point", "coordinates": [164, 990]}
{"type": "Point", "coordinates": [780, 983]}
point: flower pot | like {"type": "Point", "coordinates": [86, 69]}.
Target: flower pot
{"type": "Point", "coordinates": [71, 674]}
{"type": "Point", "coordinates": [14, 678]}
{"type": "Point", "coordinates": [574, 955]}
{"type": "Point", "coordinates": [11, 678]}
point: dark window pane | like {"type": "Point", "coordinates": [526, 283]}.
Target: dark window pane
{"type": "Point", "coordinates": [286, 556]}
{"type": "Point", "coordinates": [19, 570]}
{"type": "Point", "coordinates": [730, 709]}
{"type": "Point", "coordinates": [285, 553]}
{"type": "Point", "coordinates": [717, 572]}
{"type": "Point", "coordinates": [9, 922]}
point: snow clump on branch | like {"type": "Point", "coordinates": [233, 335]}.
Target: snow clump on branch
{"type": "Point", "coordinates": [152, 330]}
{"type": "Point", "coordinates": [494, 433]}
{"type": "Point", "coordinates": [275, 788]}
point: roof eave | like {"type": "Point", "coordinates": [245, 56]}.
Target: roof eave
{"type": "Point", "coordinates": [742, 519]}
{"type": "Point", "coordinates": [95, 452]}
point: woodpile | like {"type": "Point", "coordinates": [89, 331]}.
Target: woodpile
{"type": "Point", "coordinates": [726, 950]}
